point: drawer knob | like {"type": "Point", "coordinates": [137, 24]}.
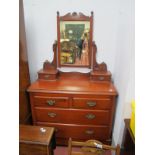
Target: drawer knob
{"type": "Point", "coordinates": [89, 132]}
{"type": "Point", "coordinates": [50, 102]}
{"type": "Point", "coordinates": [51, 114]}
{"type": "Point", "coordinates": [101, 78]}
{"type": "Point", "coordinates": [90, 116]}
{"type": "Point", "coordinates": [46, 76]}
{"type": "Point", "coordinates": [91, 103]}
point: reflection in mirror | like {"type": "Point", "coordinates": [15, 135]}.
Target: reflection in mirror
{"type": "Point", "coordinates": [74, 43]}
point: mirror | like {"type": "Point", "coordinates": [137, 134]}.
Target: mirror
{"type": "Point", "coordinates": [74, 40]}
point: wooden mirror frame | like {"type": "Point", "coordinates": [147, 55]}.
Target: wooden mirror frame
{"type": "Point", "coordinates": [98, 72]}
{"type": "Point", "coordinates": [71, 17]}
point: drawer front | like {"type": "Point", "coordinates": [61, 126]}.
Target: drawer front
{"type": "Point", "coordinates": [82, 132]}
{"type": "Point", "coordinates": [46, 76]}
{"type": "Point", "coordinates": [48, 101]}
{"type": "Point", "coordinates": [97, 117]}
{"type": "Point", "coordinates": [100, 78]}
{"type": "Point", "coordinates": [87, 103]}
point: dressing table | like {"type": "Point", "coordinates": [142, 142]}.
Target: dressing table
{"type": "Point", "coordinates": [77, 105]}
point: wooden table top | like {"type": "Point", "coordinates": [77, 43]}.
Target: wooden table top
{"type": "Point", "coordinates": [74, 83]}
{"type": "Point", "coordinates": [33, 135]}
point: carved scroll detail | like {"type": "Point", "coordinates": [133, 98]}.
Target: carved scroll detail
{"type": "Point", "coordinates": [73, 16]}
{"type": "Point", "coordinates": [102, 67]}
{"type": "Point", "coordinates": [51, 65]}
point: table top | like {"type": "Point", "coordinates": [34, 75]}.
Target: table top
{"type": "Point", "coordinates": [35, 134]}
{"type": "Point", "coordinates": [74, 83]}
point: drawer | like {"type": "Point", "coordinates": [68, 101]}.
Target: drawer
{"type": "Point", "coordinates": [88, 103]}
{"type": "Point", "coordinates": [82, 132]}
{"type": "Point", "coordinates": [71, 116]}
{"type": "Point", "coordinates": [100, 77]}
{"type": "Point", "coordinates": [46, 76]}
{"type": "Point", "coordinates": [51, 101]}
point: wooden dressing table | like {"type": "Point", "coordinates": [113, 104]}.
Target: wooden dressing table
{"type": "Point", "coordinates": [77, 105]}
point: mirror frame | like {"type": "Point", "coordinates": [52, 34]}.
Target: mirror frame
{"type": "Point", "coordinates": [75, 17]}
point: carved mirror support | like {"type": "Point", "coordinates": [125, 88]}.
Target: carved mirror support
{"type": "Point", "coordinates": [99, 71]}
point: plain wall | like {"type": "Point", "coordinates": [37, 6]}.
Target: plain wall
{"type": "Point", "coordinates": [113, 34]}
{"type": "Point", "coordinates": [123, 72]}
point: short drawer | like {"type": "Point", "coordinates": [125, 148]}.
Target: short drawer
{"type": "Point", "coordinates": [83, 132]}
{"type": "Point", "coordinates": [87, 103]}
{"type": "Point", "coordinates": [101, 77]}
{"type": "Point", "coordinates": [58, 115]}
{"type": "Point", "coordinates": [44, 76]}
{"type": "Point", "coordinates": [51, 101]}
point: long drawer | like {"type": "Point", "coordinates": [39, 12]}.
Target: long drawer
{"type": "Point", "coordinates": [92, 103]}
{"type": "Point", "coordinates": [83, 132]}
{"type": "Point", "coordinates": [72, 116]}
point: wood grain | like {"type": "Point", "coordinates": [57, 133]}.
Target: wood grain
{"type": "Point", "coordinates": [24, 77]}
{"type": "Point", "coordinates": [34, 142]}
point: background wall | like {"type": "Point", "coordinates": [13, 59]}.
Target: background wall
{"type": "Point", "coordinates": [113, 34]}
{"type": "Point", "coordinates": [123, 71]}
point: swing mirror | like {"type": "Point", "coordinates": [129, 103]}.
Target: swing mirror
{"type": "Point", "coordinates": [74, 40]}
